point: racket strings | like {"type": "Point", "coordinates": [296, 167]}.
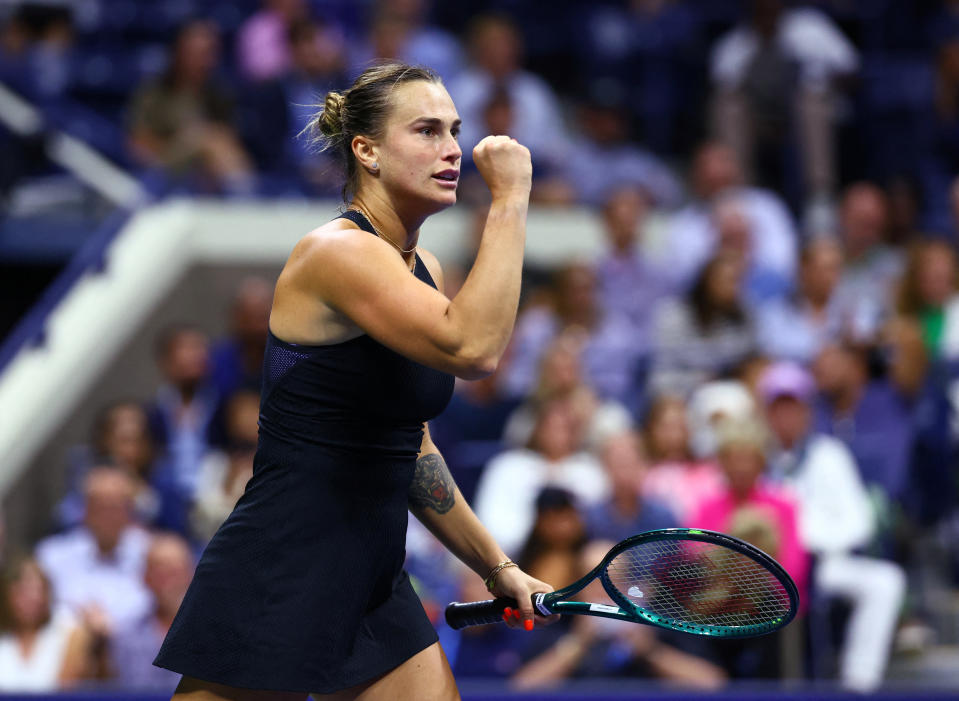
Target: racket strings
{"type": "Point", "coordinates": [700, 584]}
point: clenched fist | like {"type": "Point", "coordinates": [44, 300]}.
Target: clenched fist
{"type": "Point", "coordinates": [505, 165]}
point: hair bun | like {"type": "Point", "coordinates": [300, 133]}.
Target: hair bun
{"type": "Point", "coordinates": [331, 119]}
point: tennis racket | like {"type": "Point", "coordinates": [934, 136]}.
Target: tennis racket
{"type": "Point", "coordinates": [684, 579]}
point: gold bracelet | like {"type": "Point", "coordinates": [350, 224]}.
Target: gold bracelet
{"type": "Point", "coordinates": [491, 578]}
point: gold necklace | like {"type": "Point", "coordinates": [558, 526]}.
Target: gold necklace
{"type": "Point", "coordinates": [388, 239]}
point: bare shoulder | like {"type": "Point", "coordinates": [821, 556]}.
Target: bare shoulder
{"type": "Point", "coordinates": [303, 309]}
{"type": "Point", "coordinates": [322, 253]}
{"type": "Point", "coordinates": [328, 240]}
{"type": "Point", "coordinates": [433, 265]}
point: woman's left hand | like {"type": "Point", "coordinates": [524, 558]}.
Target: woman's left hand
{"type": "Point", "coordinates": [516, 584]}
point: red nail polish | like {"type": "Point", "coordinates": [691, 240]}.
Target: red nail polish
{"type": "Point", "coordinates": [505, 616]}
{"type": "Point", "coordinates": [508, 611]}
{"type": "Point", "coordinates": [528, 625]}
{"type": "Point", "coordinates": [517, 614]}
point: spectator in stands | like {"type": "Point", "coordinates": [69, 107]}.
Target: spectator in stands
{"type": "Point", "coordinates": [610, 354]}
{"type": "Point", "coordinates": [167, 575]}
{"type": "Point", "coordinates": [871, 266]}
{"type": "Point", "coordinates": [561, 378]}
{"type": "Point", "coordinates": [182, 121]}
{"type": "Point", "coordinates": [629, 510]}
{"type": "Point", "coordinates": [496, 51]}
{"type": "Point", "coordinates": [629, 282]}
{"type": "Point", "coordinates": [835, 520]}
{"type": "Point", "coordinates": [749, 504]}
{"type": "Point", "coordinates": [928, 294]}
{"type": "Point", "coordinates": [870, 414]}
{"type": "Point", "coordinates": [121, 438]}
{"type": "Point", "coordinates": [675, 477]}
{"type": "Point", "coordinates": [705, 334]}
{"type": "Point", "coordinates": [183, 408]}
{"type": "Point", "coordinates": [96, 568]}
{"type": "Point", "coordinates": [263, 46]}
{"type": "Point", "coordinates": [798, 327]}
{"type": "Point", "coordinates": [400, 31]}
{"type": "Point", "coordinates": [237, 360]}
{"type": "Point", "coordinates": [711, 404]}
{"type": "Point", "coordinates": [224, 473]}
{"type": "Point", "coordinates": [317, 66]}
{"type": "Point", "coordinates": [776, 76]}
{"type": "Point", "coordinates": [556, 538]}
{"type": "Point", "coordinates": [42, 648]}
{"type": "Point", "coordinates": [603, 160]}
{"type": "Point", "coordinates": [693, 239]}
{"type": "Point", "coordinates": [509, 485]}
{"type": "Point", "coordinates": [589, 647]}
{"type": "Point", "coordinates": [760, 513]}
{"type": "Point", "coordinates": [36, 45]}
{"type": "Point", "coordinates": [735, 235]}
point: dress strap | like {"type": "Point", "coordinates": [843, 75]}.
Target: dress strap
{"type": "Point", "coordinates": [359, 219]}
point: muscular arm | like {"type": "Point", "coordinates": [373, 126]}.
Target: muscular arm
{"type": "Point", "coordinates": [364, 279]}
{"type": "Point", "coordinates": [436, 501]}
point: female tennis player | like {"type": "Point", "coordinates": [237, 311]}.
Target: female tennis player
{"type": "Point", "coordinates": [302, 590]}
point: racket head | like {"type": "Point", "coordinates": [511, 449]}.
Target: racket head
{"type": "Point", "coordinates": [698, 581]}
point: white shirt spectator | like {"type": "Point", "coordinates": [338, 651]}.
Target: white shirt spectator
{"type": "Point", "coordinates": [835, 512]}
{"type": "Point", "coordinates": [805, 35]}
{"type": "Point", "coordinates": [949, 344]}
{"type": "Point", "coordinates": [693, 238]}
{"type": "Point", "coordinates": [81, 576]}
{"type": "Point", "coordinates": [868, 287]}
{"type": "Point", "coordinates": [506, 495]}
{"type": "Point", "coordinates": [835, 517]}
{"type": "Point", "coordinates": [40, 671]}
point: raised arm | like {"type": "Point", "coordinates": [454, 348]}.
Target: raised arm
{"type": "Point", "coordinates": [367, 281]}
{"type": "Point", "coordinates": [437, 502]}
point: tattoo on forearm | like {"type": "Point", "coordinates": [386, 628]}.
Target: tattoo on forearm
{"type": "Point", "coordinates": [432, 485]}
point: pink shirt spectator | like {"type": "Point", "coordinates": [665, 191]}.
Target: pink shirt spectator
{"type": "Point", "coordinates": [263, 50]}
{"type": "Point", "coordinates": [717, 512]}
{"type": "Point", "coordinates": [683, 486]}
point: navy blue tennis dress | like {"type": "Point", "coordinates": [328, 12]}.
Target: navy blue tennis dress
{"type": "Point", "coordinates": [302, 588]}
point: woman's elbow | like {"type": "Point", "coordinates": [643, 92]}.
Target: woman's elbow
{"type": "Point", "coordinates": [478, 367]}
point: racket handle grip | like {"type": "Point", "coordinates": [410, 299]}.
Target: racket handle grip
{"type": "Point", "coordinates": [477, 613]}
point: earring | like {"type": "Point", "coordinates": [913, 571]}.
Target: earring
{"type": "Point", "coordinates": [375, 165]}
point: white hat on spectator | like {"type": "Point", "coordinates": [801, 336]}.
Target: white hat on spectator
{"type": "Point", "coordinates": [711, 403]}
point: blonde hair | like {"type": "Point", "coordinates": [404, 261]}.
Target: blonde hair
{"type": "Point", "coordinates": [747, 432]}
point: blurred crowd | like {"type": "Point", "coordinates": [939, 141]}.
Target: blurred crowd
{"type": "Point", "coordinates": [768, 345]}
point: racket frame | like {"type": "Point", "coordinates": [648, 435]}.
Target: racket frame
{"type": "Point", "coordinates": [626, 610]}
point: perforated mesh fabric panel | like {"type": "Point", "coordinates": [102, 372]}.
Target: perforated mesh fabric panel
{"type": "Point", "coordinates": [279, 361]}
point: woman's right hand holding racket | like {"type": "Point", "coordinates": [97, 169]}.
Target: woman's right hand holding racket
{"type": "Point", "coordinates": [505, 165]}
{"type": "Point", "coordinates": [513, 583]}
